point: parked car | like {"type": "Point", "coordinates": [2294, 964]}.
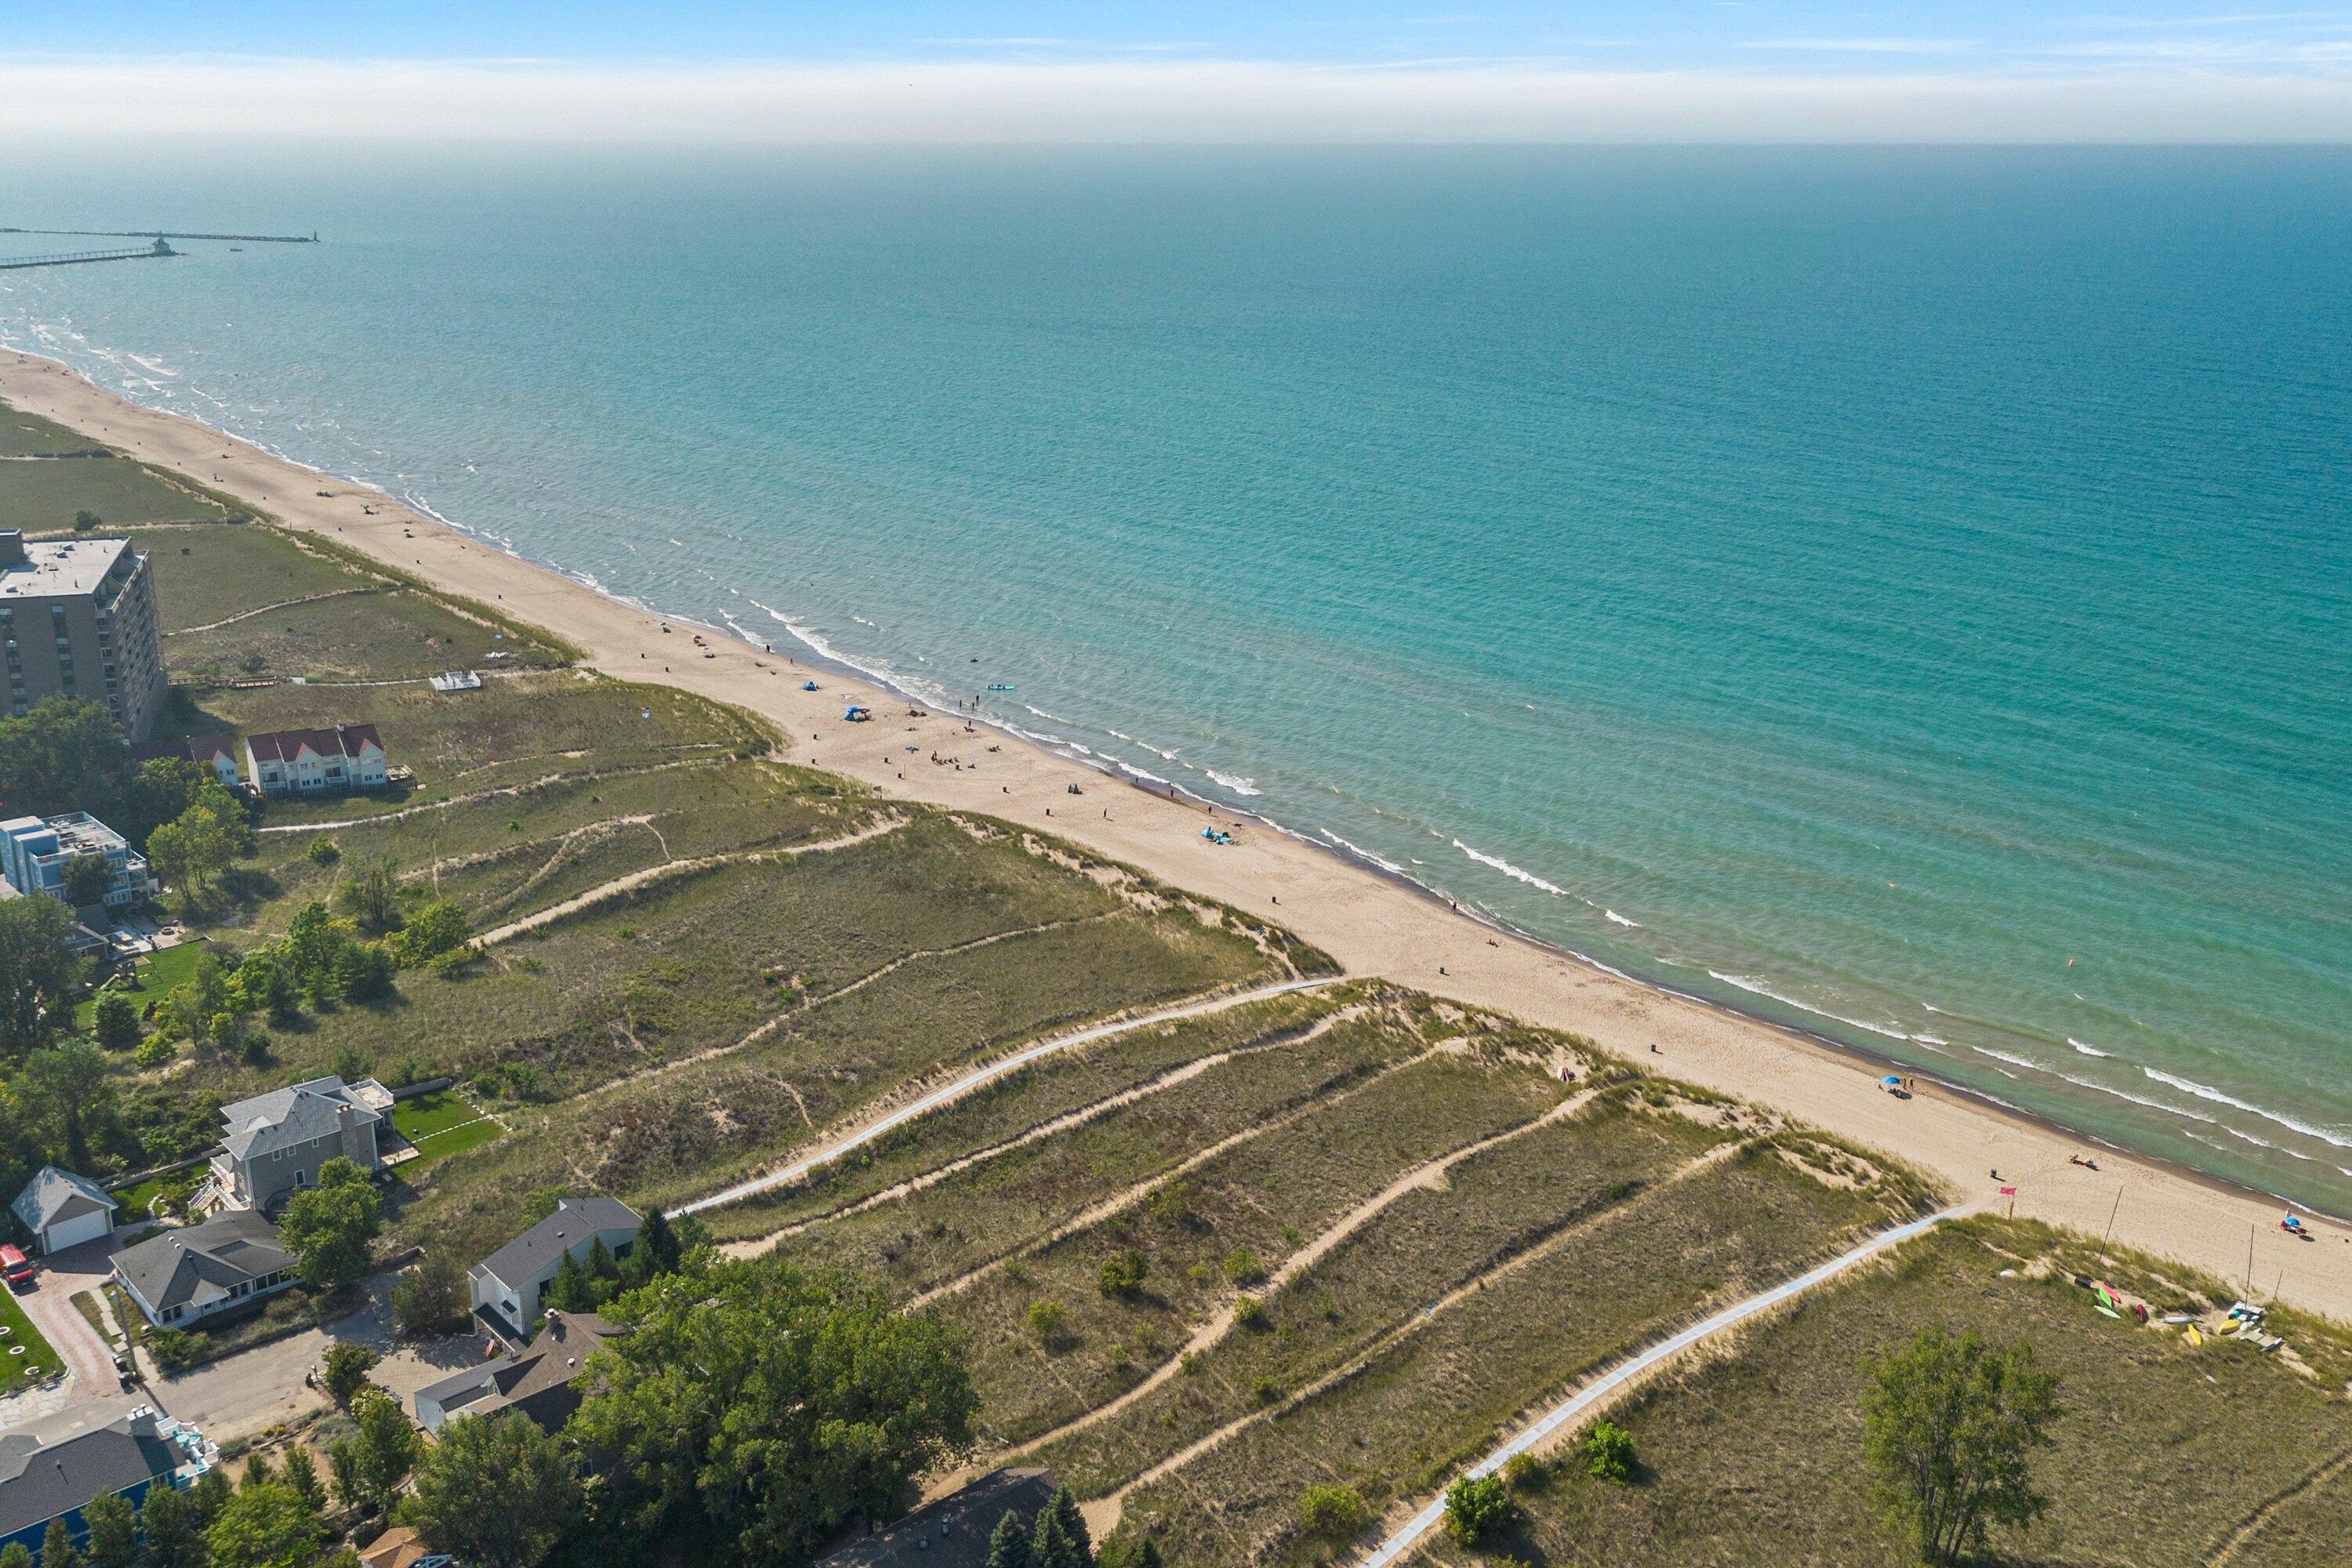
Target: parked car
{"type": "Point", "coordinates": [16, 1267]}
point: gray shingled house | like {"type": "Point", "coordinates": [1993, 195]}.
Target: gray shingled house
{"type": "Point", "coordinates": [274, 1143]}
{"type": "Point", "coordinates": [181, 1278]}
{"type": "Point", "coordinates": [537, 1382]}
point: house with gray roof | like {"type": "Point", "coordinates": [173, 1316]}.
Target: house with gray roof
{"type": "Point", "coordinates": [274, 1143]}
{"type": "Point", "coordinates": [538, 1382]}
{"type": "Point", "coordinates": [61, 1209]}
{"type": "Point", "coordinates": [510, 1287]}
{"type": "Point", "coordinates": [41, 1481]}
{"type": "Point", "coordinates": [180, 1278]}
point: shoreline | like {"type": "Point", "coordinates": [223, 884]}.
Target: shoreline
{"type": "Point", "coordinates": [1370, 919]}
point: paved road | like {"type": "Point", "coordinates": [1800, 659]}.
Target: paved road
{"type": "Point", "coordinates": [244, 1394]}
{"type": "Point", "coordinates": [49, 1304]}
{"type": "Point", "coordinates": [985, 1074]}
{"type": "Point", "coordinates": [1584, 1398]}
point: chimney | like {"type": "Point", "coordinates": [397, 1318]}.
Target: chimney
{"type": "Point", "coordinates": [12, 547]}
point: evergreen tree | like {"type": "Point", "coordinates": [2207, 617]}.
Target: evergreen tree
{"type": "Point", "coordinates": [1059, 1540]}
{"type": "Point", "coordinates": [16, 1554]}
{"type": "Point", "coordinates": [657, 1245]}
{"type": "Point", "coordinates": [257, 1472]}
{"type": "Point", "coordinates": [113, 1526]}
{"type": "Point", "coordinates": [569, 1291]}
{"type": "Point", "coordinates": [58, 1549]}
{"type": "Point", "coordinates": [604, 1274]}
{"type": "Point", "coordinates": [174, 1534]}
{"type": "Point", "coordinates": [1008, 1547]}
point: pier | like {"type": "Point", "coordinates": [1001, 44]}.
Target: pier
{"type": "Point", "coordinates": [76, 257]}
{"type": "Point", "coordinates": [311, 239]}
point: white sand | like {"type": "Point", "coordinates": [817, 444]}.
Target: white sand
{"type": "Point", "coordinates": [1368, 922]}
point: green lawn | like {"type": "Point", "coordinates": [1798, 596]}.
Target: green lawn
{"type": "Point", "coordinates": [38, 1360]}
{"type": "Point", "coordinates": [154, 977]}
{"type": "Point", "coordinates": [451, 1140]}
{"type": "Point", "coordinates": [425, 1115]}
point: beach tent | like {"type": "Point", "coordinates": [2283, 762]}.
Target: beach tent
{"type": "Point", "coordinates": [808, 686]}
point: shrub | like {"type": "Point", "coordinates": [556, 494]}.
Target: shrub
{"type": "Point", "coordinates": [1248, 1311]}
{"type": "Point", "coordinates": [1048, 1320]}
{"type": "Point", "coordinates": [1607, 1452]}
{"type": "Point", "coordinates": [1243, 1268]}
{"type": "Point", "coordinates": [1170, 1202]}
{"type": "Point", "coordinates": [1525, 1473]}
{"type": "Point", "coordinates": [1123, 1273]}
{"type": "Point", "coordinates": [1265, 1390]}
{"type": "Point", "coordinates": [1333, 1512]}
{"type": "Point", "coordinates": [322, 852]}
{"type": "Point", "coordinates": [1476, 1507]}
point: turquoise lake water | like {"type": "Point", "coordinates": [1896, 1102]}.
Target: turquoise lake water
{"type": "Point", "coordinates": [1907, 593]}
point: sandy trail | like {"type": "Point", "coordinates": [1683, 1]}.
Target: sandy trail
{"type": "Point", "coordinates": [1372, 925]}
{"type": "Point", "coordinates": [1159, 1083]}
{"type": "Point", "coordinates": [864, 1132]}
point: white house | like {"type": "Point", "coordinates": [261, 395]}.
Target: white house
{"type": "Point", "coordinates": [274, 1143]}
{"type": "Point", "coordinates": [64, 1210]}
{"type": "Point", "coordinates": [316, 762]}
{"type": "Point", "coordinates": [510, 1287]}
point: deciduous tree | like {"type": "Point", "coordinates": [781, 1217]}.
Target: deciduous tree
{"type": "Point", "coordinates": [38, 975]}
{"type": "Point", "coordinates": [1949, 1426]}
{"type": "Point", "coordinates": [497, 1491]}
{"type": "Point", "coordinates": [267, 1526]}
{"type": "Point", "coordinates": [755, 1405]}
{"type": "Point", "coordinates": [329, 1226]}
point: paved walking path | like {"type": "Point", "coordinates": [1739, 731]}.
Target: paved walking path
{"type": "Point", "coordinates": [1592, 1393]}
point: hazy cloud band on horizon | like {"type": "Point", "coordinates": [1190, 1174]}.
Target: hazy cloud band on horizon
{"type": "Point", "coordinates": [1121, 102]}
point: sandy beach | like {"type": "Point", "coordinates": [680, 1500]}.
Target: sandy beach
{"type": "Point", "coordinates": [1371, 924]}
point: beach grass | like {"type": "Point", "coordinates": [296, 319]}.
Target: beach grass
{"type": "Point", "coordinates": [27, 435]}
{"type": "Point", "coordinates": [1046, 1091]}
{"type": "Point", "coordinates": [1219, 1229]}
{"type": "Point", "coordinates": [1753, 1455]}
{"type": "Point", "coordinates": [43, 495]}
{"type": "Point", "coordinates": [1402, 1419]}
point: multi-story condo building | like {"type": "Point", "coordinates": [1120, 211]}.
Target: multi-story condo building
{"type": "Point", "coordinates": [34, 852]}
{"type": "Point", "coordinates": [77, 619]}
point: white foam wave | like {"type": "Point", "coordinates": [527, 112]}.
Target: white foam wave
{"type": "Point", "coordinates": [1621, 920]}
{"type": "Point", "coordinates": [2140, 1099]}
{"type": "Point", "coordinates": [1361, 853]}
{"type": "Point", "coordinates": [1507, 870]}
{"type": "Point", "coordinates": [2086, 1049]}
{"type": "Point", "coordinates": [1234, 781]}
{"type": "Point", "coordinates": [1931, 1039]}
{"type": "Point", "coordinates": [2257, 1143]}
{"type": "Point", "coordinates": [2206, 1091]}
{"type": "Point", "coordinates": [2027, 1063]}
{"type": "Point", "coordinates": [1757, 987]}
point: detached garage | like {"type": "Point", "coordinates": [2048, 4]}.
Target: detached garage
{"type": "Point", "coordinates": [64, 1210]}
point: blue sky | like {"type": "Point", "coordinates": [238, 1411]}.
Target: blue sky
{"type": "Point", "coordinates": [1571, 70]}
{"type": "Point", "coordinates": [1748, 35]}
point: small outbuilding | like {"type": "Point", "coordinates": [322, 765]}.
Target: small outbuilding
{"type": "Point", "coordinates": [61, 1210]}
